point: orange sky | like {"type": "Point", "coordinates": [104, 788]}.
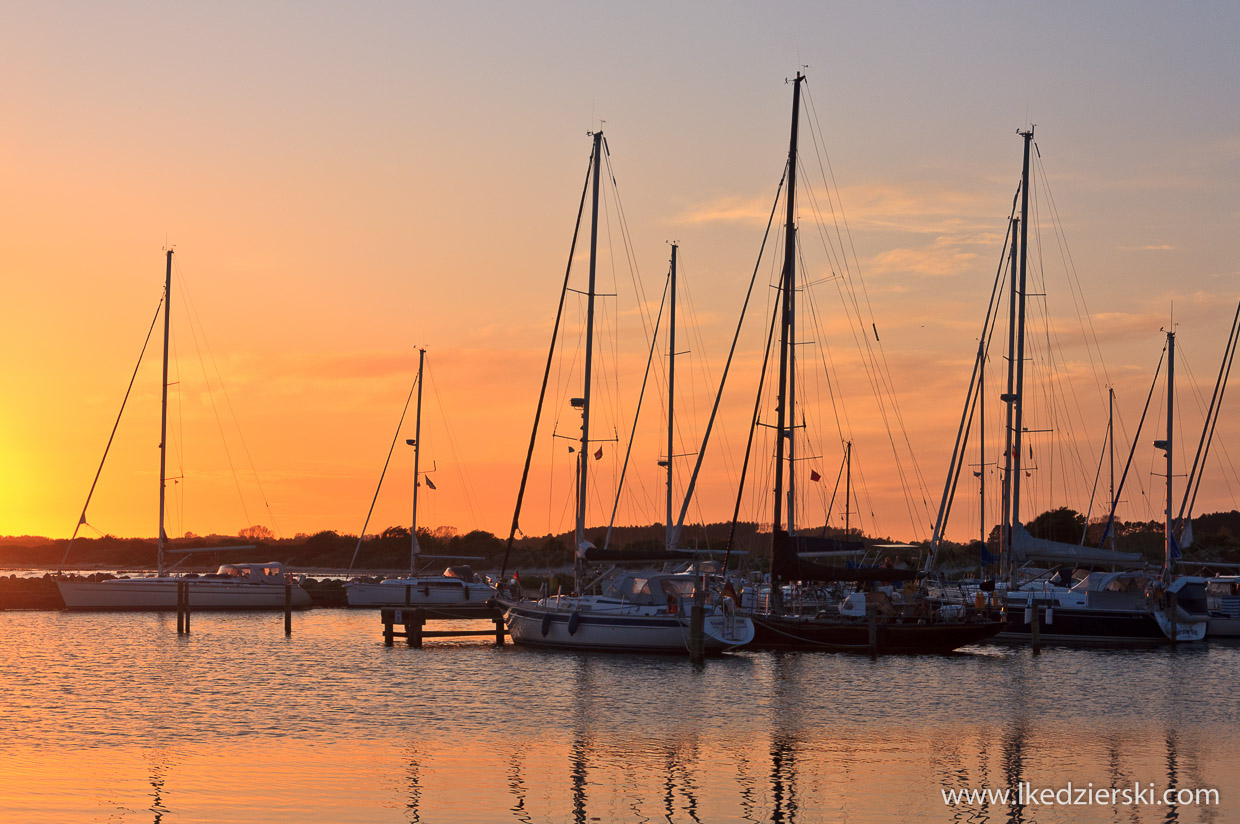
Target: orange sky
{"type": "Point", "coordinates": [344, 185]}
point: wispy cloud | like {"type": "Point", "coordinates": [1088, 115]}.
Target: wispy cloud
{"type": "Point", "coordinates": [1153, 247]}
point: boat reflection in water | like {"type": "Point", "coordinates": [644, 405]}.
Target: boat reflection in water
{"type": "Point", "coordinates": [324, 726]}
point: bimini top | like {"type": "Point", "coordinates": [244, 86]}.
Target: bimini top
{"type": "Point", "coordinates": [268, 573]}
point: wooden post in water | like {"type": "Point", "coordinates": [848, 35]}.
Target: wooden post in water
{"type": "Point", "coordinates": [1035, 629]}
{"type": "Point", "coordinates": [871, 618]}
{"type": "Point", "coordinates": [413, 631]}
{"type": "Point", "coordinates": [697, 626]}
{"type": "Point", "coordinates": [180, 607]}
{"type": "Point", "coordinates": [499, 630]}
{"type": "Point", "coordinates": [288, 607]}
{"type": "Point", "coordinates": [1175, 624]}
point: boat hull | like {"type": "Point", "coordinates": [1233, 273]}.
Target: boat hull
{"type": "Point", "coordinates": [842, 635]}
{"type": "Point", "coordinates": [161, 594]}
{"type": "Point", "coordinates": [448, 596]}
{"type": "Point", "coordinates": [1102, 627]}
{"type": "Point", "coordinates": [533, 625]}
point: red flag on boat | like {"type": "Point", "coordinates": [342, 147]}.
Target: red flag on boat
{"type": "Point", "coordinates": [814, 476]}
{"type": "Point", "coordinates": [430, 484]}
{"type": "Point", "coordinates": [598, 456]}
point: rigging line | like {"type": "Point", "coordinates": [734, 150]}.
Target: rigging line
{"type": "Point", "coordinates": [1097, 477]}
{"type": "Point", "coordinates": [636, 415]}
{"type": "Point", "coordinates": [219, 424]}
{"type": "Point", "coordinates": [1220, 388]}
{"type": "Point", "coordinates": [639, 288]}
{"type": "Point", "coordinates": [361, 536]}
{"type": "Point", "coordinates": [882, 407]}
{"type": "Point", "coordinates": [525, 472]}
{"type": "Point", "coordinates": [1106, 532]}
{"type": "Point", "coordinates": [983, 345]}
{"type": "Point", "coordinates": [728, 363]}
{"type": "Point", "coordinates": [1072, 445]}
{"type": "Point", "coordinates": [108, 446]}
{"type": "Point", "coordinates": [1216, 405]}
{"type": "Point", "coordinates": [245, 446]}
{"type": "Point", "coordinates": [1074, 278]}
{"type": "Point", "coordinates": [706, 374]}
{"type": "Point", "coordinates": [825, 163]}
{"type": "Point", "coordinates": [753, 425]}
{"type": "Point", "coordinates": [466, 487]}
{"type": "Point", "coordinates": [178, 488]}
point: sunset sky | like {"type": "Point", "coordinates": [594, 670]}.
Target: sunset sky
{"type": "Point", "coordinates": [345, 182]}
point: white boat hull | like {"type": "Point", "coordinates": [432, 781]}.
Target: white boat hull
{"type": "Point", "coordinates": [432, 593]}
{"type": "Point", "coordinates": [161, 593]}
{"type": "Point", "coordinates": [631, 630]}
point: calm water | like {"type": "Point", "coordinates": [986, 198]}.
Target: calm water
{"type": "Point", "coordinates": [113, 717]}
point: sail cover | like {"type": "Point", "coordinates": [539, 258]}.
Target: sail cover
{"type": "Point", "coordinates": [1025, 547]}
{"type": "Point", "coordinates": [786, 565]}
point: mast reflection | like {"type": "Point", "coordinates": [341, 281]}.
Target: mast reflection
{"type": "Point", "coordinates": [413, 774]}
{"type": "Point", "coordinates": [1014, 740]}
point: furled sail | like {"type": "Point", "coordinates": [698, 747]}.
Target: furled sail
{"type": "Point", "coordinates": [1025, 547]}
{"type": "Point", "coordinates": [786, 565]}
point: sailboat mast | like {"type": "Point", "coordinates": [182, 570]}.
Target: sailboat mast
{"type": "Point", "coordinates": [787, 283]}
{"type": "Point", "coordinates": [1171, 552]}
{"type": "Point", "coordinates": [584, 452]}
{"type": "Point", "coordinates": [1018, 415]}
{"type": "Point", "coordinates": [671, 392]}
{"type": "Point", "coordinates": [847, 488]}
{"type": "Point", "coordinates": [792, 391]}
{"type": "Point", "coordinates": [163, 414]}
{"type": "Point", "coordinates": [1009, 398]}
{"type": "Point", "coordinates": [417, 479]}
{"type": "Point", "coordinates": [1018, 366]}
{"type": "Point", "coordinates": [981, 447]}
{"type": "Point", "coordinates": [1111, 445]}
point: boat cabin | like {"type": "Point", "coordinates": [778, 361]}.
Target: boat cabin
{"type": "Point", "coordinates": [650, 589]}
{"type": "Point", "coordinates": [269, 573]}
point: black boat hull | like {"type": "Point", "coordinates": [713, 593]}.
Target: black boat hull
{"type": "Point", "coordinates": [1100, 627]}
{"type": "Point", "coordinates": [843, 635]}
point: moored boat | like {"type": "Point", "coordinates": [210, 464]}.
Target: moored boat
{"type": "Point", "coordinates": [232, 586]}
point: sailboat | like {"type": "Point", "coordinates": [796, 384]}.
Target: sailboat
{"type": "Point", "coordinates": [459, 592]}
{"type": "Point", "coordinates": [1125, 606]}
{"type": "Point", "coordinates": [638, 612]}
{"type": "Point", "coordinates": [232, 586]}
{"type": "Point", "coordinates": [901, 631]}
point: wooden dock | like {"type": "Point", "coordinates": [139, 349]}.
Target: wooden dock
{"type": "Point", "coordinates": [413, 622]}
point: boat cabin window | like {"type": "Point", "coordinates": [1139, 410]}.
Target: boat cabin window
{"type": "Point", "coordinates": [271, 571]}
{"type": "Point", "coordinates": [231, 571]}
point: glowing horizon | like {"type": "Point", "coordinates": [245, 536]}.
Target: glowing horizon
{"type": "Point", "coordinates": [343, 187]}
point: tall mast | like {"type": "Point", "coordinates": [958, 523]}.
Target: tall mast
{"type": "Point", "coordinates": [671, 392]}
{"type": "Point", "coordinates": [1170, 548]}
{"type": "Point", "coordinates": [417, 479]}
{"type": "Point", "coordinates": [1018, 415]}
{"type": "Point", "coordinates": [792, 391]}
{"type": "Point", "coordinates": [584, 453]}
{"type": "Point", "coordinates": [981, 448]}
{"type": "Point", "coordinates": [1009, 398]}
{"type": "Point", "coordinates": [787, 284]}
{"type": "Point", "coordinates": [847, 487]}
{"type": "Point", "coordinates": [1111, 447]}
{"type": "Point", "coordinates": [163, 414]}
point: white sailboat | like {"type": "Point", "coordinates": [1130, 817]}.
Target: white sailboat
{"type": "Point", "coordinates": [639, 612]}
{"type": "Point", "coordinates": [458, 592]}
{"type": "Point", "coordinates": [232, 586]}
